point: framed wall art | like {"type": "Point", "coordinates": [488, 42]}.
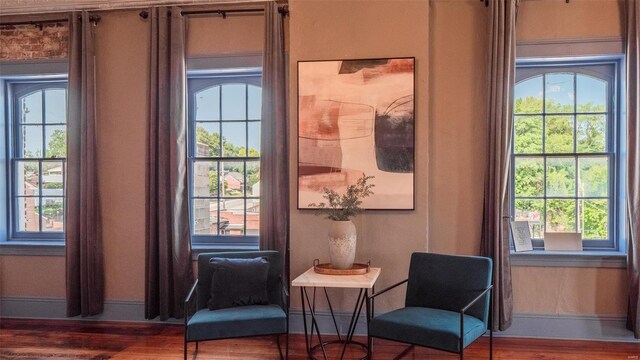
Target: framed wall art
{"type": "Point", "coordinates": [357, 117]}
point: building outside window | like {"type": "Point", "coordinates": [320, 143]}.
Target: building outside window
{"type": "Point", "coordinates": [224, 157]}
{"type": "Point", "coordinates": [37, 133]}
{"type": "Point", "coordinates": [565, 163]}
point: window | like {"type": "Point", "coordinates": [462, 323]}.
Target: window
{"type": "Point", "coordinates": [224, 113]}
{"type": "Point", "coordinates": [37, 133]}
{"type": "Point", "coordinates": [565, 166]}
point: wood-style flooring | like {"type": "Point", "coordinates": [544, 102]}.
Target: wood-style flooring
{"type": "Point", "coordinates": [46, 339]}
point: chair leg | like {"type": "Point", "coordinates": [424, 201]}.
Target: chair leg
{"type": "Point", "coordinates": [369, 347]}
{"type": "Point", "coordinates": [185, 349]}
{"type": "Point", "coordinates": [286, 349]}
{"type": "Point", "coordinates": [491, 344]}
{"type": "Point", "coordinates": [279, 348]}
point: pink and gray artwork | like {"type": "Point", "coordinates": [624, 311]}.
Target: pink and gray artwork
{"type": "Point", "coordinates": [357, 117]}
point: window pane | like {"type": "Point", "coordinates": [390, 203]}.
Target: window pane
{"type": "Point", "coordinates": [528, 96]}
{"type": "Point", "coordinates": [27, 178]}
{"type": "Point", "coordinates": [594, 219]}
{"type": "Point", "coordinates": [528, 134]}
{"type": "Point", "coordinates": [591, 94]}
{"type": "Point", "coordinates": [253, 178]}
{"type": "Point", "coordinates": [233, 179]}
{"type": "Point", "coordinates": [255, 102]}
{"type": "Point", "coordinates": [593, 177]}
{"type": "Point", "coordinates": [28, 214]}
{"type": "Point", "coordinates": [533, 212]}
{"type": "Point", "coordinates": [56, 140]}
{"type": "Point", "coordinates": [591, 133]}
{"type": "Point", "coordinates": [561, 176]}
{"type": "Point", "coordinates": [529, 177]}
{"type": "Point", "coordinates": [31, 108]}
{"type": "Point", "coordinates": [55, 102]}
{"type": "Point", "coordinates": [205, 178]}
{"type": "Point", "coordinates": [31, 141]}
{"type": "Point", "coordinates": [208, 104]}
{"type": "Point", "coordinates": [234, 102]}
{"type": "Point", "coordinates": [53, 214]}
{"type": "Point", "coordinates": [234, 139]}
{"type": "Point", "coordinates": [559, 134]}
{"type": "Point", "coordinates": [561, 215]}
{"type": "Point", "coordinates": [253, 217]}
{"type": "Point", "coordinates": [559, 93]}
{"type": "Point", "coordinates": [254, 139]}
{"type": "Point", "coordinates": [207, 139]}
{"type": "Point", "coordinates": [205, 216]}
{"type": "Point", "coordinates": [232, 216]}
{"type": "Point", "coordinates": [52, 178]}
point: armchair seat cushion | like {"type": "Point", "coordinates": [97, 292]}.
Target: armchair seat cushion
{"type": "Point", "coordinates": [252, 320]}
{"type": "Point", "coordinates": [428, 327]}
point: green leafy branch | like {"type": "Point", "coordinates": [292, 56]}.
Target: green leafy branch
{"type": "Point", "coordinates": [344, 207]}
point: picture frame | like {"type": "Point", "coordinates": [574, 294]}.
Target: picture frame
{"type": "Point", "coordinates": [357, 117]}
{"type": "Point", "coordinates": [521, 234]}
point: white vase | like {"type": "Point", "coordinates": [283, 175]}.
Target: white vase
{"type": "Point", "coordinates": [342, 244]}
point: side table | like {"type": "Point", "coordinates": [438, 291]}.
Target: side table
{"type": "Point", "coordinates": [311, 279]}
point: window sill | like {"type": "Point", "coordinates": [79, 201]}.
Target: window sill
{"type": "Point", "coordinates": [39, 248]}
{"type": "Point", "coordinates": [198, 249]}
{"type": "Point", "coordinates": [592, 259]}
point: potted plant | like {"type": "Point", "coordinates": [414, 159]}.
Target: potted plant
{"type": "Point", "coordinates": [340, 209]}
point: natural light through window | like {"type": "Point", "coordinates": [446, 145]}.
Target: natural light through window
{"type": "Point", "coordinates": [224, 120]}
{"type": "Point", "coordinates": [38, 165]}
{"type": "Point", "coordinates": [563, 153]}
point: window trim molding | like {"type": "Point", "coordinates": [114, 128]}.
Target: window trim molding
{"type": "Point", "coordinates": [594, 256]}
{"type": "Point", "coordinates": [200, 75]}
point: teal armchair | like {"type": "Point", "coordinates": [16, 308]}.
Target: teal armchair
{"type": "Point", "coordinates": [238, 321]}
{"type": "Point", "coordinates": [447, 304]}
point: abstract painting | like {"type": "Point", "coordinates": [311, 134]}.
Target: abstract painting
{"type": "Point", "coordinates": [356, 117]}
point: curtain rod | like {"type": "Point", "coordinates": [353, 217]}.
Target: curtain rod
{"type": "Point", "coordinates": [283, 10]}
{"type": "Point", "coordinates": [486, 2]}
{"type": "Point", "coordinates": [39, 23]}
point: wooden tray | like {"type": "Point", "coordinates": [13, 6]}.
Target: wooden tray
{"type": "Point", "coordinates": [327, 269]}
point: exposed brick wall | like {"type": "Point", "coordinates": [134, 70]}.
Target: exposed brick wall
{"type": "Point", "coordinates": [28, 42]}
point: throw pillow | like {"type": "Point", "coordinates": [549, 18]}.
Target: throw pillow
{"type": "Point", "coordinates": [238, 282]}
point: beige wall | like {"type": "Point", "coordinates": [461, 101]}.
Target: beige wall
{"type": "Point", "coordinates": [448, 39]}
{"type": "Point", "coordinates": [352, 30]}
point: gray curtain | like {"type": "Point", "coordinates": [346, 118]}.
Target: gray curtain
{"type": "Point", "coordinates": [168, 272]}
{"type": "Point", "coordinates": [633, 164]}
{"type": "Point", "coordinates": [495, 224]}
{"type": "Point", "coordinates": [274, 142]}
{"type": "Point", "coordinates": [84, 263]}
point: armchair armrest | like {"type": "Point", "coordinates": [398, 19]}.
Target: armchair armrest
{"type": "Point", "coordinates": [188, 300]}
{"type": "Point", "coordinates": [191, 292]}
{"type": "Point", "coordinates": [387, 289]}
{"type": "Point", "coordinates": [462, 311]}
{"type": "Point", "coordinates": [284, 295]}
{"type": "Point", "coordinates": [470, 304]}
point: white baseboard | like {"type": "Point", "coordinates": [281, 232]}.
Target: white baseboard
{"type": "Point", "coordinates": [545, 326]}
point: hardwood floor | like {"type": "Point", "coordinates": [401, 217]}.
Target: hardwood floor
{"type": "Point", "coordinates": [38, 339]}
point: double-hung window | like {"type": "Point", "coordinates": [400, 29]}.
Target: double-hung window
{"type": "Point", "coordinates": [37, 133]}
{"type": "Point", "coordinates": [224, 111]}
{"type": "Point", "coordinates": [565, 163]}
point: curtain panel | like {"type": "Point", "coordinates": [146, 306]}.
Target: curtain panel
{"type": "Point", "coordinates": [274, 142]}
{"type": "Point", "coordinates": [495, 224]}
{"type": "Point", "coordinates": [633, 164]}
{"type": "Point", "coordinates": [168, 271]}
{"type": "Point", "coordinates": [84, 255]}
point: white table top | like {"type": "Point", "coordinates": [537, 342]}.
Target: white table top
{"type": "Point", "coordinates": [312, 279]}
